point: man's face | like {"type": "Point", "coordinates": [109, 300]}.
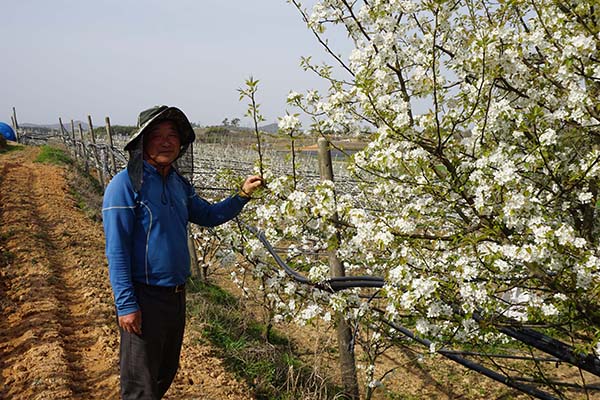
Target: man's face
{"type": "Point", "coordinates": [162, 144]}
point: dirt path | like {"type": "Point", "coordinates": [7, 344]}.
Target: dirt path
{"type": "Point", "coordinates": [58, 338]}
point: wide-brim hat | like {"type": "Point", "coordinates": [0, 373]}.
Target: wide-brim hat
{"type": "Point", "coordinates": [158, 114]}
{"type": "Point", "coordinates": [135, 146]}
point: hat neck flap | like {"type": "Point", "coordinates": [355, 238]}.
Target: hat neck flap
{"type": "Point", "coordinates": [135, 165]}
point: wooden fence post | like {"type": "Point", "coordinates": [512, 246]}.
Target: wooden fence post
{"type": "Point", "coordinates": [344, 333]}
{"type": "Point", "coordinates": [99, 165]}
{"type": "Point", "coordinates": [75, 145]}
{"type": "Point", "coordinates": [110, 143]}
{"type": "Point", "coordinates": [15, 123]}
{"type": "Point", "coordinates": [62, 131]}
{"type": "Point", "coordinates": [84, 155]}
{"type": "Point", "coordinates": [12, 120]}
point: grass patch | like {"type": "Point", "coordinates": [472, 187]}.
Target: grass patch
{"type": "Point", "coordinates": [88, 198]}
{"type": "Point", "coordinates": [86, 190]}
{"type": "Point", "coordinates": [53, 155]}
{"type": "Point", "coordinates": [42, 236]}
{"type": "Point", "coordinates": [6, 235]}
{"type": "Point", "coordinates": [10, 148]}
{"type": "Point", "coordinates": [6, 257]}
{"type": "Point", "coordinates": [268, 364]}
{"type": "Point", "coordinates": [214, 294]}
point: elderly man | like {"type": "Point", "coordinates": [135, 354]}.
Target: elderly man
{"type": "Point", "coordinates": [145, 212]}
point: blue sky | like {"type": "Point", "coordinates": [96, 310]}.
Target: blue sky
{"type": "Point", "coordinates": [71, 58]}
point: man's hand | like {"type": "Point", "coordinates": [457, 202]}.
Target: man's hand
{"type": "Point", "coordinates": [132, 323]}
{"type": "Point", "coordinates": [251, 184]}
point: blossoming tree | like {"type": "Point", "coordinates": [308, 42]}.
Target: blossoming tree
{"type": "Point", "coordinates": [477, 194]}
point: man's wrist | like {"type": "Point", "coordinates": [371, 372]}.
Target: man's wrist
{"type": "Point", "coordinates": [243, 194]}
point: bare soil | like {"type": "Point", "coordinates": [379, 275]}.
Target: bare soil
{"type": "Point", "coordinates": [58, 334]}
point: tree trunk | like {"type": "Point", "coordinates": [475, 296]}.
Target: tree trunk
{"type": "Point", "coordinates": [344, 333]}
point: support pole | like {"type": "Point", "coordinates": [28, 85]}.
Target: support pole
{"type": "Point", "coordinates": [344, 333]}
{"type": "Point", "coordinates": [62, 131]}
{"type": "Point", "coordinates": [84, 154]}
{"type": "Point", "coordinates": [15, 123]}
{"type": "Point", "coordinates": [99, 166]}
{"type": "Point", "coordinates": [113, 171]}
{"type": "Point", "coordinates": [75, 145]}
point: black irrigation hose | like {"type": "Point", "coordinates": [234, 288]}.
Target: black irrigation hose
{"type": "Point", "coordinates": [507, 356]}
{"type": "Point", "coordinates": [359, 281]}
{"type": "Point", "coordinates": [548, 345]}
{"type": "Point", "coordinates": [575, 386]}
{"type": "Point", "coordinates": [332, 284]}
{"type": "Point", "coordinates": [528, 336]}
{"type": "Point", "coordinates": [508, 381]}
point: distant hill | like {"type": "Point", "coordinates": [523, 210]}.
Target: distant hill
{"type": "Point", "coordinates": [271, 128]}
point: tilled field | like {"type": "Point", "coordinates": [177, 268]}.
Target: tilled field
{"type": "Point", "coordinates": [58, 335]}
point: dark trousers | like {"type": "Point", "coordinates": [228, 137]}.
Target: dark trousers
{"type": "Point", "coordinates": [149, 361]}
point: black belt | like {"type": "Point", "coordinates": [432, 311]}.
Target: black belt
{"type": "Point", "coordinates": [164, 289]}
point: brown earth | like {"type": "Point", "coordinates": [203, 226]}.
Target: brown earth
{"type": "Point", "coordinates": [58, 335]}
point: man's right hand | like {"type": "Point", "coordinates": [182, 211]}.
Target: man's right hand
{"type": "Point", "coordinates": [132, 323]}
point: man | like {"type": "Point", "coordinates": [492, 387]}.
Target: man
{"type": "Point", "coordinates": [145, 212]}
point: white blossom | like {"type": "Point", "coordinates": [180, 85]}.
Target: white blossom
{"type": "Point", "coordinates": [585, 197]}
{"type": "Point", "coordinates": [288, 123]}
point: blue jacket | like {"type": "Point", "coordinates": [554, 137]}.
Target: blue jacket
{"type": "Point", "coordinates": [146, 232]}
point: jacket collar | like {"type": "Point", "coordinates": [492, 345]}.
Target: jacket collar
{"type": "Point", "coordinates": [152, 169]}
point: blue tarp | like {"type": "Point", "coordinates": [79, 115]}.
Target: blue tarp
{"type": "Point", "coordinates": [7, 132]}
